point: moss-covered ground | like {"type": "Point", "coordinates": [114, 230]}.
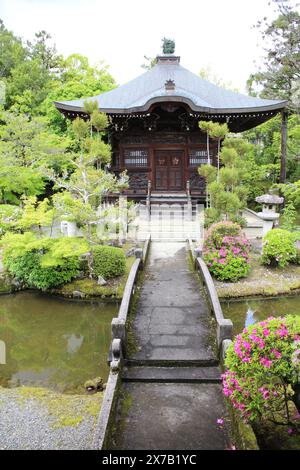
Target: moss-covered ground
{"type": "Point", "coordinates": [65, 410]}
{"type": "Point", "coordinates": [113, 290]}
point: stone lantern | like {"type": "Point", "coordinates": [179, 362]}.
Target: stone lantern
{"type": "Point", "coordinates": [269, 212]}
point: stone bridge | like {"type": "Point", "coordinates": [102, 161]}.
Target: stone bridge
{"type": "Point", "coordinates": [164, 389]}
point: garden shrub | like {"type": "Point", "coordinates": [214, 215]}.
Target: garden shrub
{"type": "Point", "coordinates": [278, 248]}
{"type": "Point", "coordinates": [226, 251]}
{"type": "Point", "coordinates": [42, 263]}
{"type": "Point", "coordinates": [108, 261]}
{"type": "Point", "coordinates": [263, 366]}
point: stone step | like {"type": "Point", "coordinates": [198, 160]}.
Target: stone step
{"type": "Point", "coordinates": [172, 374]}
{"type": "Point", "coordinates": [210, 362]}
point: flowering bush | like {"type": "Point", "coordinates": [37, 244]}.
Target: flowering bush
{"type": "Point", "coordinates": [263, 367]}
{"type": "Point", "coordinates": [279, 248]}
{"type": "Point", "coordinates": [226, 251]}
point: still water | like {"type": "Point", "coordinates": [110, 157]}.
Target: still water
{"type": "Point", "coordinates": [247, 312]}
{"type": "Point", "coordinates": [54, 343]}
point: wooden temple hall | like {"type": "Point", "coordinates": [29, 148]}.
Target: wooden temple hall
{"type": "Point", "coordinates": [154, 129]}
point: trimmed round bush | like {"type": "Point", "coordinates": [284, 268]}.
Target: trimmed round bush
{"type": "Point", "coordinates": [263, 366]}
{"type": "Point", "coordinates": [279, 248]}
{"type": "Point", "coordinates": [226, 252]}
{"type": "Point", "coordinates": [108, 261]}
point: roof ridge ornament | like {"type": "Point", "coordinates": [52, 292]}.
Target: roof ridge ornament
{"type": "Point", "coordinates": [168, 46]}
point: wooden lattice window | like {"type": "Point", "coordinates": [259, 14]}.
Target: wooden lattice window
{"type": "Point", "coordinates": [198, 157]}
{"type": "Point", "coordinates": [136, 158]}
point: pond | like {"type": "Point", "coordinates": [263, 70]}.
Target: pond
{"type": "Point", "coordinates": [247, 312]}
{"type": "Point", "coordinates": [54, 343]}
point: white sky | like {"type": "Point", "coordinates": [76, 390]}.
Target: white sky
{"type": "Point", "coordinates": [215, 33]}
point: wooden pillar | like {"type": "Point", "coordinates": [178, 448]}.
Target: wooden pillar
{"type": "Point", "coordinates": [284, 116]}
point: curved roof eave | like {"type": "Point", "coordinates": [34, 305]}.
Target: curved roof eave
{"type": "Point", "coordinates": [181, 99]}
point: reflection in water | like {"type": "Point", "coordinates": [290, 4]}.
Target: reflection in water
{"type": "Point", "coordinates": [249, 317]}
{"type": "Point", "coordinates": [52, 342]}
{"type": "Point", "coordinates": [244, 313]}
{"type": "Point", "coordinates": [74, 342]}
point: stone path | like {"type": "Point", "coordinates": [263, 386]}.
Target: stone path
{"type": "Point", "coordinates": [171, 395]}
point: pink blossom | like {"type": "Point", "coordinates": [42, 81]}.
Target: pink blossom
{"type": "Point", "coordinates": [282, 332]}
{"type": "Point", "coordinates": [276, 353]}
{"type": "Point", "coordinates": [266, 332]}
{"type": "Point", "coordinates": [266, 362]}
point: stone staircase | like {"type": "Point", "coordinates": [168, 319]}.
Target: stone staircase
{"type": "Point", "coordinates": [171, 217]}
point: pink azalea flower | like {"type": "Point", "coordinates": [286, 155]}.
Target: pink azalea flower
{"type": "Point", "coordinates": [266, 362]}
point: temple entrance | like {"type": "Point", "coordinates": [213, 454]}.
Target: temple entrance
{"type": "Point", "coordinates": [169, 170]}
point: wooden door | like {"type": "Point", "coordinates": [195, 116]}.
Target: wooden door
{"type": "Point", "coordinates": [169, 170]}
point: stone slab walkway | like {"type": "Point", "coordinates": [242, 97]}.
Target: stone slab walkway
{"type": "Point", "coordinates": [172, 322]}
{"type": "Point", "coordinates": [171, 395]}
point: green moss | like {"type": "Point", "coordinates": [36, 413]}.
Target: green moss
{"type": "Point", "coordinates": [5, 285]}
{"type": "Point", "coordinates": [242, 434]}
{"type": "Point", "coordinates": [66, 410]}
{"type": "Point", "coordinates": [275, 437]}
{"type": "Point", "coordinates": [132, 343]}
{"type": "Point", "coordinates": [126, 404]}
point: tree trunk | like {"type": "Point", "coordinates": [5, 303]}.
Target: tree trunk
{"type": "Point", "coordinates": [283, 146]}
{"type": "Point", "coordinates": [207, 144]}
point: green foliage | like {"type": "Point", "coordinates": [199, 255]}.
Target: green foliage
{"type": "Point", "coordinates": [78, 79]}
{"type": "Point", "coordinates": [42, 263]}
{"type": "Point", "coordinates": [35, 214]}
{"type": "Point", "coordinates": [26, 148]}
{"type": "Point", "coordinates": [108, 261]}
{"type": "Point", "coordinates": [233, 268]}
{"type": "Point", "coordinates": [208, 172]}
{"type": "Point", "coordinates": [262, 371]}
{"type": "Point", "coordinates": [206, 126]}
{"type": "Point", "coordinates": [291, 192]}
{"type": "Point", "coordinates": [219, 131]}
{"type": "Point", "coordinates": [279, 76]}
{"type": "Point", "coordinates": [226, 251]}
{"type": "Point", "coordinates": [80, 128]}
{"type": "Point", "coordinates": [218, 231]}
{"type": "Point", "coordinates": [211, 215]}
{"type": "Point", "coordinates": [227, 191]}
{"type": "Point", "coordinates": [278, 248]}
{"type": "Point", "coordinates": [289, 216]}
